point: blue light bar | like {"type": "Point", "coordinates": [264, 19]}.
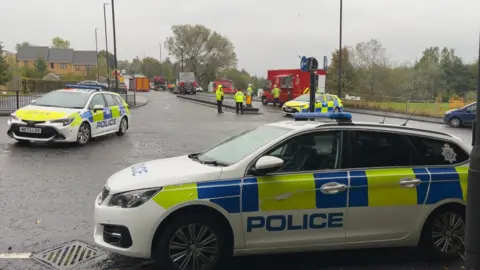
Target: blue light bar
{"type": "Point", "coordinates": [84, 86]}
{"type": "Point", "coordinates": [340, 116]}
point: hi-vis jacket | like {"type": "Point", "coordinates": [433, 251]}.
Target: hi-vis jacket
{"type": "Point", "coordinates": [239, 96]}
{"type": "Point", "coordinates": [276, 92]}
{"type": "Point", "coordinates": [219, 93]}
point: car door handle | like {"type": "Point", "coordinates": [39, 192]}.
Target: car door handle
{"type": "Point", "coordinates": [410, 182]}
{"type": "Point", "coordinates": [333, 188]}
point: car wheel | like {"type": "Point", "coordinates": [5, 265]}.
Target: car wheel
{"type": "Point", "coordinates": [123, 127]}
{"type": "Point", "coordinates": [336, 110]}
{"type": "Point", "coordinates": [84, 134]}
{"type": "Point", "coordinates": [455, 122]}
{"type": "Point", "coordinates": [444, 233]}
{"type": "Point", "coordinates": [192, 242]}
{"type": "Point", "coordinates": [264, 101]}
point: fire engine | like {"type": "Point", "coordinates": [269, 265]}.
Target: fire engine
{"type": "Point", "coordinates": [292, 83]}
{"type": "Point", "coordinates": [227, 85]}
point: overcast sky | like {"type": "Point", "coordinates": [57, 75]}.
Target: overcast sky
{"type": "Point", "coordinates": [267, 33]}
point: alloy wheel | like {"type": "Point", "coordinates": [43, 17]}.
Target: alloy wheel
{"type": "Point", "coordinates": [83, 134]}
{"type": "Point", "coordinates": [448, 232]}
{"type": "Point", "coordinates": [194, 247]}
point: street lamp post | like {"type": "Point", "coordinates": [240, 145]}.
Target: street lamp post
{"type": "Point", "coordinates": [472, 235]}
{"type": "Point", "coordinates": [106, 44]}
{"type": "Point", "coordinates": [96, 50]}
{"type": "Point", "coordinates": [115, 48]}
{"type": "Point", "coordinates": [161, 66]}
{"type": "Point", "coordinates": [340, 52]}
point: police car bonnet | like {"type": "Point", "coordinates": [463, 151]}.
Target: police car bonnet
{"type": "Point", "coordinates": [162, 172]}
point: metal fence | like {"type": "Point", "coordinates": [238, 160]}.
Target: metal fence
{"type": "Point", "coordinates": [12, 100]}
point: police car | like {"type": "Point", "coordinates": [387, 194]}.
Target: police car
{"type": "Point", "coordinates": [290, 187]}
{"type": "Point", "coordinates": [75, 114]}
{"type": "Point", "coordinates": [323, 103]}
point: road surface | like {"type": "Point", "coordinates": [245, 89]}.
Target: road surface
{"type": "Point", "coordinates": [48, 192]}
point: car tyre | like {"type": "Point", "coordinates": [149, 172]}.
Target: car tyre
{"type": "Point", "coordinates": [336, 110]}
{"type": "Point", "coordinates": [264, 101]}
{"type": "Point", "coordinates": [123, 127]}
{"type": "Point", "coordinates": [208, 242]}
{"type": "Point", "coordinates": [455, 122]}
{"type": "Point", "coordinates": [84, 134]}
{"type": "Point", "coordinates": [444, 233]}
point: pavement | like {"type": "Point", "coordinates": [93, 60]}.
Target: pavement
{"type": "Point", "coordinates": [48, 191]}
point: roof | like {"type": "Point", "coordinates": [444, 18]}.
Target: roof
{"type": "Point", "coordinates": [60, 55]}
{"type": "Point", "coordinates": [32, 52]}
{"type": "Point", "coordinates": [310, 125]}
{"type": "Point", "coordinates": [85, 58]}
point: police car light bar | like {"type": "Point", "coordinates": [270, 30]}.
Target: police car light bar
{"type": "Point", "coordinates": [83, 86]}
{"type": "Point", "coordinates": [341, 116]}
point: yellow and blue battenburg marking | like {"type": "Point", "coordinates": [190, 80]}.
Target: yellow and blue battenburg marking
{"type": "Point", "coordinates": [367, 188]}
{"type": "Point", "coordinates": [226, 194]}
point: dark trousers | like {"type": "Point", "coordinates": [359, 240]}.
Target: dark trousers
{"type": "Point", "coordinates": [219, 106]}
{"type": "Point", "coordinates": [239, 107]}
{"type": "Point", "coordinates": [275, 101]}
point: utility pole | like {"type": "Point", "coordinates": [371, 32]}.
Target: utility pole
{"type": "Point", "coordinates": [340, 52]}
{"type": "Point", "coordinates": [96, 50]}
{"type": "Point", "coordinates": [161, 65]}
{"type": "Point", "coordinates": [115, 48]}
{"type": "Point", "coordinates": [472, 234]}
{"type": "Point", "coordinates": [106, 44]}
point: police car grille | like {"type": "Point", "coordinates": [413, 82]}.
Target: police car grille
{"type": "Point", "coordinates": [47, 132]}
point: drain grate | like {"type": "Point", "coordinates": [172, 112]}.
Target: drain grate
{"type": "Point", "coordinates": [68, 255]}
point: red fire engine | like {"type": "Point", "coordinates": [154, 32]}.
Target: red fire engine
{"type": "Point", "coordinates": [292, 83]}
{"type": "Point", "coordinates": [227, 85]}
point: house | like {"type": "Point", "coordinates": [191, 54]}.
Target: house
{"type": "Point", "coordinates": [59, 61]}
{"type": "Point", "coordinates": [9, 56]}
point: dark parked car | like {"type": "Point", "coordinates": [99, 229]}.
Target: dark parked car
{"type": "Point", "coordinates": [464, 116]}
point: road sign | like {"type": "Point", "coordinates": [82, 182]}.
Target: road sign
{"type": "Point", "coordinates": [325, 63]}
{"type": "Point", "coordinates": [312, 64]}
{"type": "Point", "coordinates": [303, 64]}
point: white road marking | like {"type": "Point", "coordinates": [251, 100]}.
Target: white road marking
{"type": "Point", "coordinates": [15, 255]}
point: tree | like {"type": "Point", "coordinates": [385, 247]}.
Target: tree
{"type": "Point", "coordinates": [60, 43]}
{"type": "Point", "coordinates": [348, 73]}
{"type": "Point", "coordinates": [111, 59]}
{"type": "Point", "coordinates": [21, 45]}
{"type": "Point", "coordinates": [41, 67]}
{"type": "Point", "coordinates": [5, 74]}
{"type": "Point", "coordinates": [201, 50]}
{"type": "Point", "coordinates": [372, 65]}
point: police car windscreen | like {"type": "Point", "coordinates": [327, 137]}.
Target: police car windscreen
{"type": "Point", "coordinates": [305, 98]}
{"type": "Point", "coordinates": [64, 99]}
{"type": "Point", "coordinates": [238, 147]}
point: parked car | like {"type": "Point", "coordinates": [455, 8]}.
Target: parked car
{"type": "Point", "coordinates": [464, 116]}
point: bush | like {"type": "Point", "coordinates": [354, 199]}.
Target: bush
{"type": "Point", "coordinates": [38, 85]}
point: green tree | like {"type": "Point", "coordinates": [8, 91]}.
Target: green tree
{"type": "Point", "coordinates": [60, 43]}
{"type": "Point", "coordinates": [5, 74]}
{"type": "Point", "coordinates": [201, 50]}
{"type": "Point", "coordinates": [41, 67]}
{"type": "Point", "coordinates": [111, 59]}
{"type": "Point", "coordinates": [151, 67]}
{"type": "Point", "coordinates": [21, 45]}
{"type": "Point", "coordinates": [348, 73]}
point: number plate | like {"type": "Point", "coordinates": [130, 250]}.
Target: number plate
{"type": "Point", "coordinates": [31, 130]}
{"type": "Point", "coordinates": [288, 109]}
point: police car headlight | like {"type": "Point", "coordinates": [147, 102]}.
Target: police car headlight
{"type": "Point", "coordinates": [13, 117]}
{"type": "Point", "coordinates": [65, 122]}
{"type": "Point", "coordinates": [134, 198]}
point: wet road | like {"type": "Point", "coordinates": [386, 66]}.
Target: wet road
{"type": "Point", "coordinates": [47, 192]}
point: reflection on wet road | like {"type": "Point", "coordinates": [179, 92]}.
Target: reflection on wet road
{"type": "Point", "coordinates": [48, 191]}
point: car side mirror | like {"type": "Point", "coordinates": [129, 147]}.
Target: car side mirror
{"type": "Point", "coordinates": [267, 164]}
{"type": "Point", "coordinates": [98, 107]}
{"type": "Point", "coordinates": [33, 101]}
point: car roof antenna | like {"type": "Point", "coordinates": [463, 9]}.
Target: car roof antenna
{"type": "Point", "coordinates": [383, 120]}
{"type": "Point", "coordinates": [409, 117]}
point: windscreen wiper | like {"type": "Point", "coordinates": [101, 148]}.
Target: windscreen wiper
{"type": "Point", "coordinates": [214, 163]}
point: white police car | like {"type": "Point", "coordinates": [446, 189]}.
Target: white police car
{"type": "Point", "coordinates": [291, 187]}
{"type": "Point", "coordinates": [74, 114]}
